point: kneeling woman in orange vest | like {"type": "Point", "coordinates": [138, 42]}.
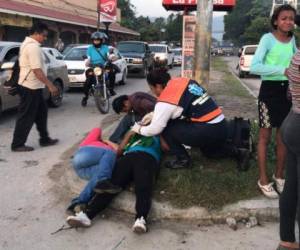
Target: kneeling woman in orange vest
{"type": "Point", "coordinates": [185, 115]}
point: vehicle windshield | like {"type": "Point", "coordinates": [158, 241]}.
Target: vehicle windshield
{"type": "Point", "coordinates": [131, 47]}
{"type": "Point", "coordinates": [158, 49]}
{"type": "Point", "coordinates": [250, 50]}
{"type": "Point", "coordinates": [177, 52]}
{"type": "Point", "coordinates": [76, 54]}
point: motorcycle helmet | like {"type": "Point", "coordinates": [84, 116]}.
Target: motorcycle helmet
{"type": "Point", "coordinates": [98, 38]}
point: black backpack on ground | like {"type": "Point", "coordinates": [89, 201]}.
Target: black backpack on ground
{"type": "Point", "coordinates": [240, 141]}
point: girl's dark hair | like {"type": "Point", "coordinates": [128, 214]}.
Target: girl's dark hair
{"type": "Point", "coordinates": [158, 76]}
{"type": "Point", "coordinates": [277, 11]}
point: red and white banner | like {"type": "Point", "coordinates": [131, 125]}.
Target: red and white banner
{"type": "Point", "coordinates": [192, 4]}
{"type": "Point", "coordinates": [108, 10]}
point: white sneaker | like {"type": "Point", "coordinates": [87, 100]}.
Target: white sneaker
{"type": "Point", "coordinates": [139, 226]}
{"type": "Point", "coordinates": [268, 190]}
{"type": "Point", "coordinates": [279, 183]}
{"type": "Point", "coordinates": [79, 220]}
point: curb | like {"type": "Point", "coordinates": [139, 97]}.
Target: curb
{"type": "Point", "coordinates": [259, 207]}
{"type": "Point", "coordinates": [242, 83]}
{"type": "Point", "coordinates": [262, 208]}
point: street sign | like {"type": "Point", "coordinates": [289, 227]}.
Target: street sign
{"type": "Point", "coordinates": [108, 10]}
{"type": "Point", "coordinates": [188, 46]}
{"type": "Point", "coordinates": [191, 5]}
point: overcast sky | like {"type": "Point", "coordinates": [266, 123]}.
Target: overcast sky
{"type": "Point", "coordinates": [154, 8]}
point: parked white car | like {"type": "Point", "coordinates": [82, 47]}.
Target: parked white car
{"type": "Point", "coordinates": [177, 56]}
{"type": "Point", "coordinates": [54, 52]}
{"type": "Point", "coordinates": [163, 53]}
{"type": "Point", "coordinates": [246, 56]}
{"type": "Point", "coordinates": [75, 60]}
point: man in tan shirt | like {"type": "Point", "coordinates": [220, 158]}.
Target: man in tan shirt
{"type": "Point", "coordinates": [32, 81]}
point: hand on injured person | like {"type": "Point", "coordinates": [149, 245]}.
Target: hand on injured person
{"type": "Point", "coordinates": [146, 119]}
{"type": "Point", "coordinates": [136, 128]}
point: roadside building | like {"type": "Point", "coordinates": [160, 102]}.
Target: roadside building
{"type": "Point", "coordinates": [70, 20]}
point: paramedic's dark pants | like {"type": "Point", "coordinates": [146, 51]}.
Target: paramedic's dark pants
{"type": "Point", "coordinates": [208, 137]}
{"type": "Point", "coordinates": [32, 109]}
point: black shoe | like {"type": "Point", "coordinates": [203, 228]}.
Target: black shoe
{"type": "Point", "coordinates": [84, 102]}
{"type": "Point", "coordinates": [48, 142]}
{"type": "Point", "coordinates": [243, 159]}
{"type": "Point", "coordinates": [22, 149]}
{"type": "Point", "coordinates": [112, 92]}
{"type": "Point", "coordinates": [178, 163]}
{"type": "Point", "coordinates": [106, 187]}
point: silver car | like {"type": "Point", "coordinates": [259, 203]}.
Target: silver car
{"type": "Point", "coordinates": [56, 72]}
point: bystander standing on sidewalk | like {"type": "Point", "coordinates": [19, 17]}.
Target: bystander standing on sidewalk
{"type": "Point", "coordinates": [32, 81]}
{"type": "Point", "coordinates": [289, 199]}
{"type": "Point", "coordinates": [271, 60]}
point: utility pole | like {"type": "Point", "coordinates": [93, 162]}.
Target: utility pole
{"type": "Point", "coordinates": [98, 10]}
{"type": "Point", "coordinates": [203, 42]}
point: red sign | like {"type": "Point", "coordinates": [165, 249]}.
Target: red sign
{"type": "Point", "coordinates": [191, 5]}
{"type": "Point", "coordinates": [108, 10]}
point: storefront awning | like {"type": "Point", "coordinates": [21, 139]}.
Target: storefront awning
{"type": "Point", "coordinates": [23, 9]}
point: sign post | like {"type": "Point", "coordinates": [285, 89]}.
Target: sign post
{"type": "Point", "coordinates": [203, 42]}
{"type": "Point", "coordinates": [196, 58]}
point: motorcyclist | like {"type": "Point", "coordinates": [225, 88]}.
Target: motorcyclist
{"type": "Point", "coordinates": [97, 55]}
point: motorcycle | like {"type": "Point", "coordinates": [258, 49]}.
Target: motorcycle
{"type": "Point", "coordinates": [99, 89]}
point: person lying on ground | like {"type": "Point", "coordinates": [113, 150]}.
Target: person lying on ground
{"type": "Point", "coordinates": [135, 106]}
{"type": "Point", "coordinates": [94, 161]}
{"type": "Point", "coordinates": [139, 162]}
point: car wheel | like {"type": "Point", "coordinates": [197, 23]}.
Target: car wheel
{"type": "Point", "coordinates": [56, 101]}
{"type": "Point", "coordinates": [241, 74]}
{"type": "Point", "coordinates": [124, 78]}
{"type": "Point", "coordinates": [144, 71]}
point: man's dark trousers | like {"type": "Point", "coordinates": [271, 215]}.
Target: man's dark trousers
{"type": "Point", "coordinates": [32, 109]}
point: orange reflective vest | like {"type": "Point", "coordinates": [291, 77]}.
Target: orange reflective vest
{"type": "Point", "coordinates": [197, 105]}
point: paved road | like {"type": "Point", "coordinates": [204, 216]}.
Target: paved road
{"type": "Point", "coordinates": [252, 82]}
{"type": "Point", "coordinates": [30, 211]}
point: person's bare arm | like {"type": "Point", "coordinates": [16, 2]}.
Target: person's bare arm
{"type": "Point", "coordinates": [125, 140]}
{"type": "Point", "coordinates": [42, 77]}
{"type": "Point", "coordinates": [115, 146]}
{"type": "Point", "coordinates": [164, 145]}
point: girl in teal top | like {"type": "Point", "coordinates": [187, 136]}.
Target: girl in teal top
{"type": "Point", "coordinates": [271, 60]}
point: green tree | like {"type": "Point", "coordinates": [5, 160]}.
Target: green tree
{"type": "Point", "coordinates": [128, 18]}
{"type": "Point", "coordinates": [248, 21]}
{"type": "Point", "coordinates": [257, 28]}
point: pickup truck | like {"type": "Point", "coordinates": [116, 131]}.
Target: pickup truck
{"type": "Point", "coordinates": [138, 56]}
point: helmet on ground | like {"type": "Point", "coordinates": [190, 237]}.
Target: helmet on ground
{"type": "Point", "coordinates": [98, 36]}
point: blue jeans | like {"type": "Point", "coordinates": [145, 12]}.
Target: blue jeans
{"type": "Point", "coordinates": [94, 164]}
